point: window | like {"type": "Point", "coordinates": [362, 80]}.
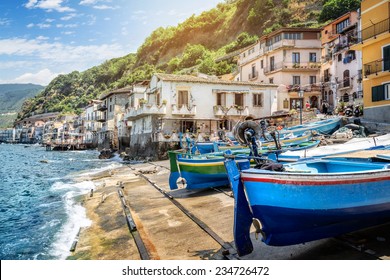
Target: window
{"type": "Point", "coordinates": [183, 98]}
{"type": "Point", "coordinates": [387, 91]}
{"type": "Point", "coordinates": [293, 36]}
{"type": "Point", "coordinates": [261, 64]}
{"type": "Point", "coordinates": [257, 100]}
{"type": "Point", "coordinates": [221, 98]}
{"type": "Point", "coordinates": [313, 80]}
{"type": "Point", "coordinates": [339, 57]}
{"type": "Point", "coordinates": [296, 57]}
{"type": "Point", "coordinates": [253, 72]}
{"type": "Point", "coordinates": [271, 80]}
{"type": "Point", "coordinates": [340, 26]}
{"type": "Point", "coordinates": [296, 80]}
{"type": "Point", "coordinates": [313, 57]}
{"type": "Point", "coordinates": [381, 92]}
{"type": "Point", "coordinates": [326, 75]}
{"type": "Point", "coordinates": [250, 51]}
{"type": "Point", "coordinates": [272, 63]}
{"type": "Point", "coordinates": [386, 58]}
{"type": "Point", "coordinates": [346, 79]}
{"type": "Point", "coordinates": [239, 99]}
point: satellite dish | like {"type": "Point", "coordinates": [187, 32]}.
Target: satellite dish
{"type": "Point", "coordinates": [241, 128]}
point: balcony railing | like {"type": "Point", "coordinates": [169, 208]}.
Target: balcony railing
{"type": "Point", "coordinates": [183, 110]}
{"type": "Point", "coordinates": [374, 30]}
{"type": "Point", "coordinates": [292, 66]}
{"type": "Point", "coordinates": [102, 107]}
{"type": "Point", "coordinates": [234, 110]}
{"type": "Point", "coordinates": [376, 67]}
{"type": "Point", "coordinates": [145, 110]}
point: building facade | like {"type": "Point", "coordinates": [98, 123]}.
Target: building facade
{"type": "Point", "coordinates": [196, 107]}
{"type": "Point", "coordinates": [374, 43]}
{"type": "Point", "coordinates": [341, 68]}
{"type": "Point", "coordinates": [289, 58]}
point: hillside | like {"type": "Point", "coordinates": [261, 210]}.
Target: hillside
{"type": "Point", "coordinates": [12, 97]}
{"type": "Point", "coordinates": [196, 43]}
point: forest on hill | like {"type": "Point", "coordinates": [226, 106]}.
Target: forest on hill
{"type": "Point", "coordinates": [195, 44]}
{"type": "Point", "coordinates": [12, 97]}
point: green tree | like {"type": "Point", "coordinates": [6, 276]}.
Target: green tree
{"type": "Point", "coordinates": [333, 9]}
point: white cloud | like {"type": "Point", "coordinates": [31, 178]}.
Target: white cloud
{"type": "Point", "coordinates": [68, 17]}
{"type": "Point", "coordinates": [49, 5]}
{"type": "Point", "coordinates": [105, 7]}
{"type": "Point", "coordinates": [30, 25]}
{"type": "Point", "coordinates": [4, 21]}
{"type": "Point", "coordinates": [59, 53]}
{"type": "Point", "coordinates": [42, 77]}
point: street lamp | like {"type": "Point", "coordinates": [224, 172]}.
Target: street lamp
{"type": "Point", "coordinates": [300, 93]}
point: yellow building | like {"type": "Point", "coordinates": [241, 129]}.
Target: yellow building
{"type": "Point", "coordinates": [374, 42]}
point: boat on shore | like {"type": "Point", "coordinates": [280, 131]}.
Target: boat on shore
{"type": "Point", "coordinates": [309, 200]}
{"type": "Point", "coordinates": [205, 171]}
{"type": "Point", "coordinates": [353, 145]}
{"type": "Point", "coordinates": [326, 126]}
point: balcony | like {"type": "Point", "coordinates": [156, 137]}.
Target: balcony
{"type": "Point", "coordinates": [374, 30]}
{"type": "Point", "coordinates": [183, 110]}
{"type": "Point", "coordinates": [101, 119]}
{"type": "Point", "coordinates": [376, 67]}
{"type": "Point", "coordinates": [133, 113]}
{"type": "Point", "coordinates": [289, 66]}
{"type": "Point", "coordinates": [102, 107]}
{"type": "Point", "coordinates": [280, 44]}
{"type": "Point", "coordinates": [233, 111]}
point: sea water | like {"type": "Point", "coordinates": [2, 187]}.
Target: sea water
{"type": "Point", "coordinates": [40, 214]}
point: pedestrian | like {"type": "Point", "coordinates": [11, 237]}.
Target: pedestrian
{"type": "Point", "coordinates": [307, 105]}
{"type": "Point", "coordinates": [324, 107]}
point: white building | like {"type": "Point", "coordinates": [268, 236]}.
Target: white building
{"type": "Point", "coordinates": [341, 68]}
{"type": "Point", "coordinates": [199, 106]}
{"type": "Point", "coordinates": [289, 58]}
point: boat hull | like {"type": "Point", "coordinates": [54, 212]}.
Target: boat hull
{"type": "Point", "coordinates": [297, 208]}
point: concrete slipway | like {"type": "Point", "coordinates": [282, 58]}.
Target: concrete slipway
{"type": "Point", "coordinates": [135, 216]}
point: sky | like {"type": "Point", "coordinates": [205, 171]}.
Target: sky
{"type": "Point", "coordinates": [40, 39]}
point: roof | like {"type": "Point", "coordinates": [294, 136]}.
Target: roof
{"type": "Point", "coordinates": [117, 91]}
{"type": "Point", "coordinates": [206, 80]}
{"type": "Point", "coordinates": [289, 29]}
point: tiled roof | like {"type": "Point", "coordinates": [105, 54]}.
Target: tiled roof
{"type": "Point", "coordinates": [206, 80]}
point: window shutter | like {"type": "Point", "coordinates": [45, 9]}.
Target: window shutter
{"type": "Point", "coordinates": [378, 93]}
{"type": "Point", "coordinates": [386, 58]}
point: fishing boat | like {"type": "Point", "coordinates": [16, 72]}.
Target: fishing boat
{"type": "Point", "coordinates": [326, 126]}
{"type": "Point", "coordinates": [353, 145]}
{"type": "Point", "coordinates": [205, 171]}
{"type": "Point", "coordinates": [308, 200]}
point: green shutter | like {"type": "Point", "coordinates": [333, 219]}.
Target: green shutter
{"type": "Point", "coordinates": [378, 93]}
{"type": "Point", "coordinates": [386, 58]}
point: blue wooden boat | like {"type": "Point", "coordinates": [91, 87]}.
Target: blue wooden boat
{"type": "Point", "coordinates": [308, 200]}
{"type": "Point", "coordinates": [206, 171]}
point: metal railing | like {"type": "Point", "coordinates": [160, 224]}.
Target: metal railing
{"type": "Point", "coordinates": [376, 66]}
{"type": "Point", "coordinates": [374, 30]}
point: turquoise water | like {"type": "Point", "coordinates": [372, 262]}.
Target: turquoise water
{"type": "Point", "coordinates": [39, 212]}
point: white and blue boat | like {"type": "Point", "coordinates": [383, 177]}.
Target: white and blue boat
{"type": "Point", "coordinates": [326, 126]}
{"type": "Point", "coordinates": [308, 200]}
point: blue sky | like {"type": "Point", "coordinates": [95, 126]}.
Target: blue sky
{"type": "Point", "coordinates": [40, 39]}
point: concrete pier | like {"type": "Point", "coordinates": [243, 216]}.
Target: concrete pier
{"type": "Point", "coordinates": [190, 225]}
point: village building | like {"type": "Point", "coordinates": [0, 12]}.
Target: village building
{"type": "Point", "coordinates": [30, 130]}
{"type": "Point", "coordinates": [341, 69]}
{"type": "Point", "coordinates": [91, 125]}
{"type": "Point", "coordinates": [113, 104]}
{"type": "Point", "coordinates": [289, 58]}
{"type": "Point", "coordinates": [177, 107]}
{"type": "Point", "coordinates": [374, 43]}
